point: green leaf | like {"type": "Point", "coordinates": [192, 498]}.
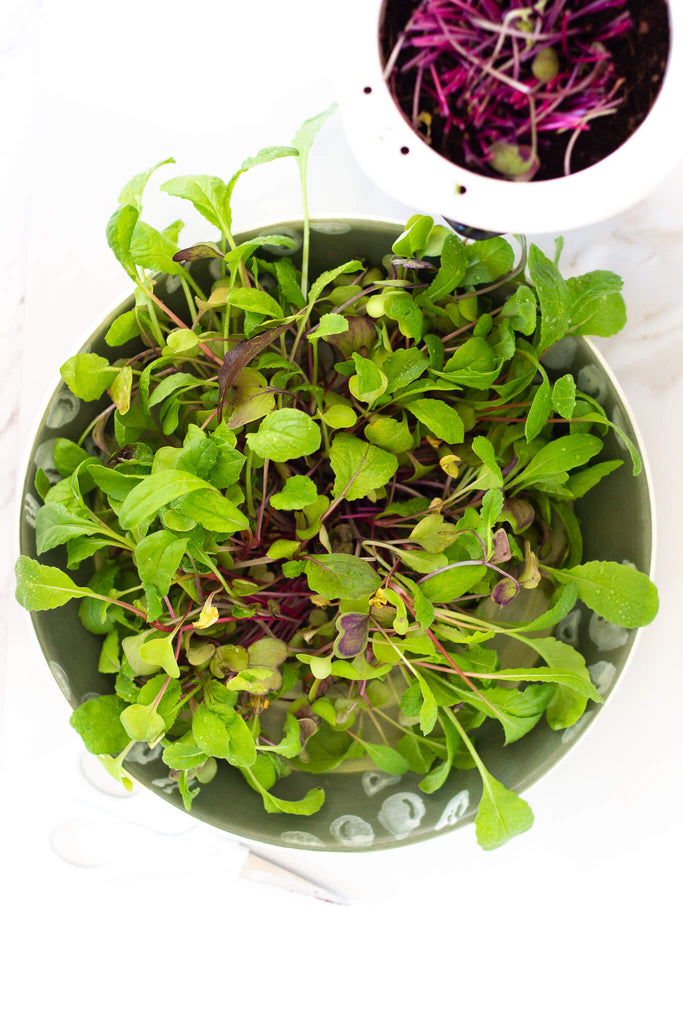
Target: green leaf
{"type": "Point", "coordinates": [386, 758]}
{"type": "Point", "coordinates": [437, 777]}
{"type": "Point", "coordinates": [518, 711]}
{"type": "Point", "coordinates": [558, 456]}
{"type": "Point", "coordinates": [330, 324]}
{"type": "Point", "coordinates": [597, 417]}
{"type": "Point", "coordinates": [452, 269]}
{"type": "Point", "coordinates": [306, 133]}
{"type": "Point", "coordinates": [404, 366]}
{"type": "Point", "coordinates": [182, 342]}
{"type": "Point", "coordinates": [159, 652]}
{"type": "Point", "coordinates": [368, 383]}
{"type": "Point", "coordinates": [564, 396]}
{"type": "Point", "coordinates": [213, 457]}
{"type": "Point", "coordinates": [155, 491]}
{"type": "Point", "coordinates": [408, 315]}
{"type": "Point", "coordinates": [183, 755]}
{"type": "Point", "coordinates": [88, 375]}
{"type": "Point", "coordinates": [540, 410]}
{"type": "Point", "coordinates": [414, 238]}
{"type": "Point", "coordinates": [440, 419]}
{"type": "Point", "coordinates": [452, 583]}
{"type": "Point", "coordinates": [209, 196]}
{"type": "Point", "coordinates": [119, 234]}
{"type": "Point", "coordinates": [580, 483]}
{"type": "Point", "coordinates": [113, 483]}
{"type": "Point", "coordinates": [423, 561]}
{"type": "Point", "coordinates": [433, 533]}
{"type": "Point", "coordinates": [520, 308]}
{"type": "Point", "coordinates": [256, 679]}
{"type": "Point", "coordinates": [285, 434]}
{"type": "Point", "coordinates": [263, 156]}
{"type": "Point", "coordinates": [298, 492]}
{"type": "Point", "coordinates": [596, 306]}
{"type": "Point", "coordinates": [131, 193]}
{"type": "Point", "coordinates": [616, 592]}
{"type": "Point", "coordinates": [210, 732]}
{"type": "Point", "coordinates": [429, 709]}
{"type": "Point", "coordinates": [390, 434]}
{"type": "Point", "coordinates": [565, 708]}
{"type": "Point", "coordinates": [167, 703]}
{"type": "Point", "coordinates": [359, 467]}
{"type": "Point", "coordinates": [152, 250]}
{"type": "Point", "coordinates": [502, 814]}
{"type": "Point", "coordinates": [42, 587]}
{"type": "Point", "coordinates": [67, 455]}
{"type": "Point", "coordinates": [157, 557]}
{"type": "Point", "coordinates": [309, 804]}
{"type": "Point", "coordinates": [328, 276]}
{"type": "Point", "coordinates": [424, 610]}
{"type": "Point", "coordinates": [98, 723]}
{"type": "Point", "coordinates": [109, 660]}
{"type": "Point", "coordinates": [142, 723]}
{"type": "Point", "coordinates": [55, 525]}
{"type": "Point", "coordinates": [488, 260]}
{"type": "Point", "coordinates": [174, 382]}
{"type": "Point", "coordinates": [482, 447]}
{"type": "Point", "coordinates": [242, 750]}
{"type": "Point", "coordinates": [341, 576]}
{"type": "Point", "coordinates": [212, 511]}
{"type": "Point", "coordinates": [418, 756]}
{"type": "Point", "coordinates": [564, 599]}
{"type": "Point", "coordinates": [186, 793]}
{"type": "Point", "coordinates": [553, 297]}
{"type": "Point", "coordinates": [256, 301]}
{"type": "Point", "coordinates": [290, 744]}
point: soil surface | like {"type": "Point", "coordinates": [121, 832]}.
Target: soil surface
{"type": "Point", "coordinates": [640, 57]}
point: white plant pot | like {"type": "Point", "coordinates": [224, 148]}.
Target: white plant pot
{"type": "Point", "coordinates": [404, 166]}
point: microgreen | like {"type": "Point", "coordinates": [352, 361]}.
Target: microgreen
{"type": "Point", "coordinates": [507, 76]}
{"type": "Point", "coordinates": [302, 522]}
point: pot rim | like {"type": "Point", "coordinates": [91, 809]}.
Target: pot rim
{"type": "Point", "coordinates": [408, 169]}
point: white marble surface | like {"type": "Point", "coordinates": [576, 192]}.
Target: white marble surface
{"type": "Point", "coordinates": [580, 916]}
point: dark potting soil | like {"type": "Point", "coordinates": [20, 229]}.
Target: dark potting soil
{"type": "Point", "coordinates": [640, 58]}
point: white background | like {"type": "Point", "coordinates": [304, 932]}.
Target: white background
{"type": "Point", "coordinates": [578, 918]}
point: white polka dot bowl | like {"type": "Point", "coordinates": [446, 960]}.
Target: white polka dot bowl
{"type": "Point", "coordinates": [368, 809]}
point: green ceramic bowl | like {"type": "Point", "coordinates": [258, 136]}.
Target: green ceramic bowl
{"type": "Point", "coordinates": [367, 809]}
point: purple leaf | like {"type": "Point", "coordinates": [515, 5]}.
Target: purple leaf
{"type": "Point", "coordinates": [238, 357]}
{"type": "Point", "coordinates": [501, 547]}
{"type": "Point", "coordinates": [505, 591]}
{"type": "Point", "coordinates": [352, 634]}
{"type": "Point", "coordinates": [197, 252]}
{"type": "Point", "coordinates": [519, 512]}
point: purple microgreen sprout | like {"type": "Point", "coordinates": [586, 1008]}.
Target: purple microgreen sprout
{"type": "Point", "coordinates": [507, 76]}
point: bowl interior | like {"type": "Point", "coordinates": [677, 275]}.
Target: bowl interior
{"type": "Point", "coordinates": [366, 809]}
